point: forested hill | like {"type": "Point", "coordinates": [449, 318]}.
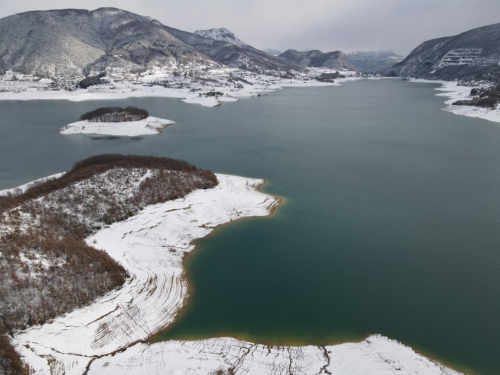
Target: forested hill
{"type": "Point", "coordinates": [317, 59]}
{"type": "Point", "coordinates": [48, 269]}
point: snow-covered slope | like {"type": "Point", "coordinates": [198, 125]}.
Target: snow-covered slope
{"type": "Point", "coordinates": [76, 43]}
{"type": "Point", "coordinates": [151, 246]}
{"type": "Point", "coordinates": [222, 34]}
{"type": "Point", "coordinates": [230, 51]}
{"type": "Point", "coordinates": [472, 55]}
{"type": "Point", "coordinates": [71, 42]}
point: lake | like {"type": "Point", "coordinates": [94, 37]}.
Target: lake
{"type": "Point", "coordinates": [391, 220]}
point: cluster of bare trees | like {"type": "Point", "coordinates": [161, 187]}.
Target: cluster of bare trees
{"type": "Point", "coordinates": [115, 114]}
{"type": "Point", "coordinates": [482, 97]}
{"type": "Point", "coordinates": [46, 268]}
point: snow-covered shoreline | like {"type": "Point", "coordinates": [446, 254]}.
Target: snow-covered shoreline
{"type": "Point", "coordinates": [23, 188]}
{"type": "Point", "coordinates": [108, 336]}
{"type": "Point", "coordinates": [151, 246]}
{"type": "Point", "coordinates": [215, 88]}
{"type": "Point", "coordinates": [455, 91]}
{"type": "Point", "coordinates": [148, 126]}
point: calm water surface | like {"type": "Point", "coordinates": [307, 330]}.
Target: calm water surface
{"type": "Point", "coordinates": [391, 225]}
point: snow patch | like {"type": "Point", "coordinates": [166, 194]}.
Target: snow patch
{"type": "Point", "coordinates": [222, 34]}
{"type": "Point", "coordinates": [147, 126]}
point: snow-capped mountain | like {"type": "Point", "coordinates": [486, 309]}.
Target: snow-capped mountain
{"type": "Point", "coordinates": [72, 42]}
{"type": "Point", "coordinates": [375, 61]}
{"type": "Point", "coordinates": [474, 54]}
{"type": "Point", "coordinates": [62, 43]}
{"type": "Point", "coordinates": [222, 34]}
{"type": "Point", "coordinates": [317, 59]}
{"type": "Point", "coordinates": [232, 51]}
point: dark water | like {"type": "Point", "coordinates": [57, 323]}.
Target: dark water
{"type": "Point", "coordinates": [391, 226]}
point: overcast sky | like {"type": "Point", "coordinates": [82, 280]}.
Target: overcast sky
{"type": "Point", "coordinates": [346, 25]}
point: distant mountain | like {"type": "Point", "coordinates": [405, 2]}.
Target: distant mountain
{"type": "Point", "coordinates": [74, 42]}
{"type": "Point", "coordinates": [224, 47]}
{"type": "Point", "coordinates": [474, 55]}
{"type": "Point", "coordinates": [374, 62]}
{"type": "Point", "coordinates": [222, 34]}
{"type": "Point", "coordinates": [273, 51]}
{"type": "Point", "coordinates": [317, 59]}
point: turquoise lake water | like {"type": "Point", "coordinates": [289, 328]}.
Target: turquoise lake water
{"type": "Point", "coordinates": [391, 223]}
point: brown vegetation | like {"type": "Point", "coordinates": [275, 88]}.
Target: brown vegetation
{"type": "Point", "coordinates": [46, 268]}
{"type": "Point", "coordinates": [115, 114]}
{"type": "Point", "coordinates": [482, 97]}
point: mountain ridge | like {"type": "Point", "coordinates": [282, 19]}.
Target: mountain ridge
{"type": "Point", "coordinates": [374, 61]}
{"type": "Point", "coordinates": [71, 42]}
{"type": "Point", "coordinates": [317, 59]}
{"type": "Point", "coordinates": [80, 42]}
{"type": "Point", "coordinates": [471, 55]}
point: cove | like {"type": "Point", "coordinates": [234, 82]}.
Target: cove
{"type": "Point", "coordinates": [390, 226]}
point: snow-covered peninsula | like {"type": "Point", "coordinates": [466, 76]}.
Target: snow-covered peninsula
{"type": "Point", "coordinates": [109, 335]}
{"type": "Point", "coordinates": [147, 126]}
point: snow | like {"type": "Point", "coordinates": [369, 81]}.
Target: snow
{"type": "Point", "coordinates": [21, 189]}
{"type": "Point", "coordinates": [150, 125]}
{"type": "Point", "coordinates": [151, 246]}
{"type": "Point", "coordinates": [161, 82]}
{"type": "Point", "coordinates": [375, 355]}
{"type": "Point", "coordinates": [455, 91]}
{"type": "Point", "coordinates": [222, 34]}
{"type": "Point", "coordinates": [108, 336]}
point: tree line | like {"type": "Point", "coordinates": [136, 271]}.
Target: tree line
{"type": "Point", "coordinates": [46, 267]}
{"type": "Point", "coordinates": [115, 114]}
{"type": "Point", "coordinates": [482, 97]}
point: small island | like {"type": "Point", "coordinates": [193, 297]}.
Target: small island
{"type": "Point", "coordinates": [128, 121]}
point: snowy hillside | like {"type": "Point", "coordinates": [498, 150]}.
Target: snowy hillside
{"type": "Point", "coordinates": [222, 34]}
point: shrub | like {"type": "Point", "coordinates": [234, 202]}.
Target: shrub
{"type": "Point", "coordinates": [46, 267]}
{"type": "Point", "coordinates": [115, 114]}
{"type": "Point", "coordinates": [90, 81]}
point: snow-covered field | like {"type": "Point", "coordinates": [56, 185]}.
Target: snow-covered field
{"type": "Point", "coordinates": [108, 336]}
{"type": "Point", "coordinates": [150, 125]}
{"type": "Point", "coordinates": [455, 91]}
{"type": "Point", "coordinates": [375, 355]}
{"type": "Point", "coordinates": [209, 88]}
